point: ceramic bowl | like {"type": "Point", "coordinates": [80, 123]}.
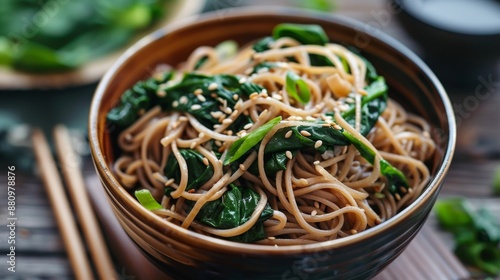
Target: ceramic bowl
{"type": "Point", "coordinates": [184, 254]}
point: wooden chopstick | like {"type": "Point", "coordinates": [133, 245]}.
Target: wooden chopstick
{"type": "Point", "coordinates": [62, 211]}
{"type": "Point", "coordinates": [73, 177]}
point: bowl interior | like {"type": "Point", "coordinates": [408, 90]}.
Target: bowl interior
{"type": "Point", "coordinates": [409, 80]}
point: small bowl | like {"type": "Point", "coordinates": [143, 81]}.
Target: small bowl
{"type": "Point", "coordinates": [185, 254]}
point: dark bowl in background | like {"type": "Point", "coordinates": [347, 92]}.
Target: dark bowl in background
{"type": "Point", "coordinates": [455, 49]}
{"type": "Point", "coordinates": [184, 254]}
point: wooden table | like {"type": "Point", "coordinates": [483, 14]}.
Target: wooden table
{"type": "Point", "coordinates": [41, 255]}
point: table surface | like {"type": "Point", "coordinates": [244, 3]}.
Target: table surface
{"type": "Point", "coordinates": [41, 254]}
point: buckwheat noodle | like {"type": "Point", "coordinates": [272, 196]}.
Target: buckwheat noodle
{"type": "Point", "coordinates": [318, 197]}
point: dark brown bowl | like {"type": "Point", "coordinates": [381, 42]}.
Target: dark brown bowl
{"type": "Point", "coordinates": [185, 254]}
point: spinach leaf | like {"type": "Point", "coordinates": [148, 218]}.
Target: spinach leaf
{"type": "Point", "coordinates": [263, 44]}
{"type": "Point", "coordinates": [233, 209]}
{"type": "Point", "coordinates": [372, 106]}
{"type": "Point", "coordinates": [146, 199]}
{"type": "Point", "coordinates": [247, 142]}
{"type": "Point", "coordinates": [297, 88]}
{"type": "Point", "coordinates": [395, 178]}
{"type": "Point", "coordinates": [199, 173]}
{"type": "Point", "coordinates": [140, 98]}
{"type": "Point", "coordinates": [307, 34]}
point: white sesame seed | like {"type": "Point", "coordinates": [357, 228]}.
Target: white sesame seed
{"type": "Point", "coordinates": [196, 107]}
{"type": "Point", "coordinates": [311, 119]}
{"type": "Point", "coordinates": [218, 143]}
{"type": "Point", "coordinates": [228, 110]}
{"type": "Point", "coordinates": [263, 70]}
{"type": "Point", "coordinates": [235, 97]}
{"type": "Point", "coordinates": [216, 126]}
{"type": "Point", "coordinates": [248, 126]}
{"type": "Point", "coordinates": [288, 134]}
{"type": "Point", "coordinates": [201, 135]}
{"type": "Point", "coordinates": [271, 238]}
{"type": "Point", "coordinates": [161, 93]}
{"type": "Point", "coordinates": [229, 132]}
{"type": "Point", "coordinates": [235, 113]}
{"type": "Point", "coordinates": [198, 91]}
{"type": "Point", "coordinates": [201, 98]}
{"type": "Point", "coordinates": [305, 133]}
{"type": "Point", "coordinates": [183, 100]}
{"type": "Point", "coordinates": [193, 145]}
{"type": "Point", "coordinates": [242, 80]}
{"type": "Point", "coordinates": [277, 96]}
{"type": "Point", "coordinates": [303, 182]}
{"type": "Point", "coordinates": [299, 118]}
{"type": "Point", "coordinates": [337, 127]}
{"type": "Point", "coordinates": [242, 167]}
{"type": "Point", "coordinates": [288, 154]}
{"type": "Point", "coordinates": [314, 213]}
{"type": "Point", "coordinates": [316, 162]}
{"type": "Point", "coordinates": [172, 208]}
{"type": "Point", "coordinates": [254, 95]}
{"type": "Point", "coordinates": [227, 121]}
{"type": "Point", "coordinates": [249, 71]}
{"type": "Point", "coordinates": [183, 119]}
{"type": "Point", "coordinates": [318, 144]}
{"type": "Point", "coordinates": [216, 114]}
{"type": "Point", "coordinates": [169, 182]}
{"type": "Point", "coordinates": [212, 86]}
{"type": "Point", "coordinates": [292, 118]}
{"type": "Point", "coordinates": [316, 204]}
{"type": "Point", "coordinates": [263, 95]}
{"type": "Point", "coordinates": [205, 161]}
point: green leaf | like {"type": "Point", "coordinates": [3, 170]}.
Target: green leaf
{"type": "Point", "coordinates": [297, 88]}
{"type": "Point", "coordinates": [481, 255]}
{"type": "Point", "coordinates": [496, 182]}
{"type": "Point", "coordinates": [263, 44]}
{"type": "Point", "coordinates": [307, 34]}
{"type": "Point", "coordinates": [233, 209]}
{"type": "Point", "coordinates": [247, 142]}
{"type": "Point", "coordinates": [319, 5]}
{"type": "Point", "coordinates": [146, 199]}
{"type": "Point", "coordinates": [199, 173]}
{"type": "Point", "coordinates": [372, 106]}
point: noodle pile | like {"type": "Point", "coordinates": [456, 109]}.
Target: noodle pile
{"type": "Point", "coordinates": [318, 197]}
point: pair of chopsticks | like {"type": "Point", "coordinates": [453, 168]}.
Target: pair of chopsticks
{"type": "Point", "coordinates": [69, 163]}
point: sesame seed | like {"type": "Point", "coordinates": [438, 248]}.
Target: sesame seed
{"type": "Point", "coordinates": [198, 91]}
{"type": "Point", "coordinates": [201, 98]}
{"type": "Point", "coordinates": [228, 110]}
{"type": "Point", "coordinates": [349, 100]}
{"type": "Point", "coordinates": [229, 132]}
{"type": "Point", "coordinates": [299, 118]}
{"type": "Point", "coordinates": [183, 119]}
{"type": "Point", "coordinates": [263, 70]}
{"type": "Point", "coordinates": [311, 119]}
{"type": "Point", "coordinates": [235, 113]}
{"type": "Point", "coordinates": [337, 127]}
{"type": "Point", "coordinates": [227, 121]}
{"type": "Point", "coordinates": [175, 103]}
{"type": "Point", "coordinates": [218, 143]}
{"type": "Point", "coordinates": [316, 204]}
{"type": "Point", "coordinates": [249, 71]}
{"type": "Point", "coordinates": [172, 208]}
{"type": "Point", "coordinates": [242, 80]}
{"type": "Point", "coordinates": [264, 94]}
{"type": "Point", "coordinates": [169, 182]}
{"type": "Point", "coordinates": [397, 196]}
{"type": "Point", "coordinates": [212, 86]}
{"type": "Point", "coordinates": [183, 100]}
{"type": "Point", "coordinates": [314, 213]}
{"type": "Point", "coordinates": [403, 189]}
{"type": "Point", "coordinates": [216, 126]}
{"type": "Point", "coordinates": [205, 161]}
{"type": "Point", "coordinates": [316, 162]}
{"type": "Point", "coordinates": [410, 190]}
{"type": "Point", "coordinates": [271, 238]}
{"type": "Point", "coordinates": [318, 144]}
{"type": "Point", "coordinates": [242, 167]}
{"type": "Point", "coordinates": [193, 145]}
{"type": "Point", "coordinates": [288, 154]}
{"type": "Point", "coordinates": [277, 96]}
{"type": "Point", "coordinates": [254, 95]}
{"type": "Point", "coordinates": [201, 135]}
{"type": "Point", "coordinates": [161, 93]}
{"type": "Point", "coordinates": [248, 126]}
{"type": "Point", "coordinates": [288, 134]}
{"type": "Point", "coordinates": [196, 107]}
{"type": "Point", "coordinates": [305, 133]}
{"type": "Point", "coordinates": [353, 231]}
{"type": "Point", "coordinates": [216, 114]}
{"type": "Point", "coordinates": [303, 182]}
{"type": "Point", "coordinates": [235, 97]}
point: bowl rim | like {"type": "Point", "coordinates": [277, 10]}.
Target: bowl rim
{"type": "Point", "coordinates": [215, 244]}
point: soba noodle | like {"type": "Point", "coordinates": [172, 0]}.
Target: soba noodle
{"type": "Point", "coordinates": [318, 196]}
